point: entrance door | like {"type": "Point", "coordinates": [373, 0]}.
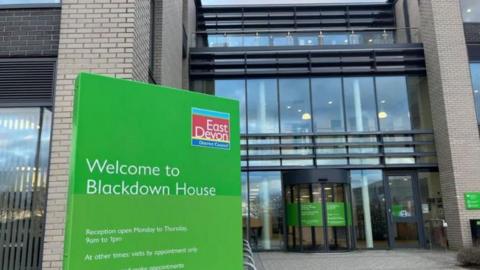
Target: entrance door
{"type": "Point", "coordinates": [317, 217]}
{"type": "Point", "coordinates": [404, 210]}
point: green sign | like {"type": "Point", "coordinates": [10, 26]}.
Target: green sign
{"type": "Point", "coordinates": [155, 179]}
{"type": "Point", "coordinates": [311, 214]}
{"type": "Point", "coordinates": [336, 214]}
{"type": "Point", "coordinates": [472, 200]}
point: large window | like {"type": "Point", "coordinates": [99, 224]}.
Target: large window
{"type": "Point", "coordinates": [471, 10]}
{"type": "Point", "coordinates": [262, 106]}
{"type": "Point", "coordinates": [360, 104]}
{"type": "Point", "coordinates": [295, 115]}
{"type": "Point", "coordinates": [475, 70]}
{"type": "Point", "coordinates": [393, 105]}
{"type": "Point", "coordinates": [24, 157]}
{"type": "Point", "coordinates": [369, 215]}
{"type": "Point", "coordinates": [334, 104]}
{"type": "Point", "coordinates": [234, 89]}
{"type": "Point", "coordinates": [327, 103]}
{"type": "Point", "coordinates": [266, 210]}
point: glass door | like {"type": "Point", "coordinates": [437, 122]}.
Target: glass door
{"type": "Point", "coordinates": [404, 211]}
{"type": "Point", "coordinates": [317, 217]}
{"type": "Point", "coordinates": [337, 216]}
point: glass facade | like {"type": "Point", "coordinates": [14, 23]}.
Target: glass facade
{"type": "Point", "coordinates": [24, 159]}
{"type": "Point", "coordinates": [295, 114]}
{"type": "Point", "coordinates": [470, 10]}
{"type": "Point", "coordinates": [234, 89]}
{"type": "Point", "coordinates": [262, 99]}
{"type": "Point", "coordinates": [475, 71]}
{"type": "Point", "coordinates": [266, 210]}
{"type": "Point", "coordinates": [301, 39]}
{"type": "Point", "coordinates": [360, 104]}
{"type": "Point", "coordinates": [330, 104]}
{"type": "Point", "coordinates": [369, 209]}
{"type": "Point", "coordinates": [327, 103]}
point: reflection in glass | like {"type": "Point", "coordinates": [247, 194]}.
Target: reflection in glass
{"type": "Point", "coordinates": [282, 39]}
{"type": "Point", "coordinates": [266, 210]}
{"type": "Point", "coordinates": [402, 196]}
{"type": "Point", "coordinates": [327, 105]}
{"type": "Point", "coordinates": [432, 209]}
{"type": "Point", "coordinates": [256, 40]}
{"type": "Point", "coordinates": [360, 104]}
{"type": "Point", "coordinates": [420, 111]}
{"type": "Point", "coordinates": [475, 70]}
{"type": "Point", "coordinates": [262, 106]}
{"type": "Point", "coordinates": [244, 203]}
{"type": "Point", "coordinates": [471, 10]}
{"type": "Point", "coordinates": [332, 38]}
{"type": "Point", "coordinates": [306, 39]}
{"type": "Point", "coordinates": [233, 89]}
{"type": "Point", "coordinates": [295, 112]}
{"type": "Point", "coordinates": [393, 106]}
{"type": "Point", "coordinates": [24, 158]}
{"type": "Point", "coordinates": [369, 216]}
{"type": "Point", "coordinates": [337, 218]}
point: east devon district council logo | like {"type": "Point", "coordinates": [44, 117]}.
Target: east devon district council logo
{"type": "Point", "coordinates": [210, 128]}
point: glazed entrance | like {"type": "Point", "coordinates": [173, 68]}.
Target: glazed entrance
{"type": "Point", "coordinates": [317, 210]}
{"type": "Point", "coordinates": [317, 217]}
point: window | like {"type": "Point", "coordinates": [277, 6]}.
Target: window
{"type": "Point", "coordinates": [266, 210]}
{"type": "Point", "coordinates": [370, 221]}
{"type": "Point", "coordinates": [419, 102]}
{"type": "Point", "coordinates": [332, 38]}
{"type": "Point", "coordinates": [327, 105]}
{"type": "Point", "coordinates": [24, 158]}
{"type": "Point", "coordinates": [360, 104]}
{"type": "Point", "coordinates": [244, 202]}
{"type": "Point", "coordinates": [262, 106]}
{"type": "Point", "coordinates": [393, 106]}
{"type": "Point", "coordinates": [475, 70]}
{"type": "Point", "coordinates": [295, 115]}
{"type": "Point", "coordinates": [16, 2]}
{"type": "Point", "coordinates": [233, 89]}
{"type": "Point", "coordinates": [306, 39]}
{"type": "Point", "coordinates": [470, 10]}
{"type": "Point", "coordinates": [256, 40]}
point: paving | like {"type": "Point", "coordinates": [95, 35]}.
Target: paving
{"type": "Point", "coordinates": [358, 260]}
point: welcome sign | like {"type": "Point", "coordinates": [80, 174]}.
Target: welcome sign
{"type": "Point", "coordinates": [155, 179]}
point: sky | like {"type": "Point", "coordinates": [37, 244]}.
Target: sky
{"type": "Point", "coordinates": [253, 2]}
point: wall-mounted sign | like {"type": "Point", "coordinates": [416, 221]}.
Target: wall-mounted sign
{"type": "Point", "coordinates": [155, 179]}
{"type": "Point", "coordinates": [472, 200]}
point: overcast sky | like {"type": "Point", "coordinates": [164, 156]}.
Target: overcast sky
{"type": "Point", "coordinates": [253, 2]}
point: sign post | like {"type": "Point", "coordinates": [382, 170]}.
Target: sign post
{"type": "Point", "coordinates": [155, 179]}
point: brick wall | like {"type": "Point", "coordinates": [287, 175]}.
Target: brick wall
{"type": "Point", "coordinates": [97, 36]}
{"type": "Point", "coordinates": [29, 32]}
{"type": "Point", "coordinates": [455, 125]}
{"type": "Point", "coordinates": [168, 43]}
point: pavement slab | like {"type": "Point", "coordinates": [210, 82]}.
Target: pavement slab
{"type": "Point", "coordinates": [358, 260]}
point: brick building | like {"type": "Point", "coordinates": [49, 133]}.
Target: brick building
{"type": "Point", "coordinates": [371, 106]}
